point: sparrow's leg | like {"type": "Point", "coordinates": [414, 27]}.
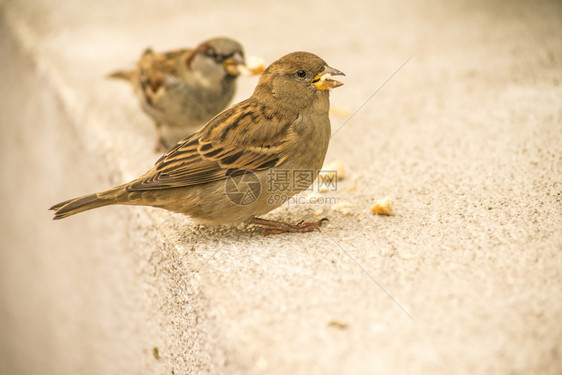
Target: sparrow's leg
{"type": "Point", "coordinates": [278, 227]}
{"type": "Point", "coordinates": [160, 143]}
{"type": "Point", "coordinates": [160, 146]}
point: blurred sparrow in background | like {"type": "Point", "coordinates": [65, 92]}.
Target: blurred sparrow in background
{"type": "Point", "coordinates": [229, 171]}
{"type": "Point", "coordinates": [183, 89]}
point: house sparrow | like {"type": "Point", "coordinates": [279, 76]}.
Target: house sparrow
{"type": "Point", "coordinates": [246, 161]}
{"type": "Point", "coordinates": [183, 89]}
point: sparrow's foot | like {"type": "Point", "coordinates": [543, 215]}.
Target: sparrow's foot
{"type": "Point", "coordinates": [267, 227]}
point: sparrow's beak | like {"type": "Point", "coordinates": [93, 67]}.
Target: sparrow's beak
{"type": "Point", "coordinates": [231, 65]}
{"type": "Point", "coordinates": [324, 81]}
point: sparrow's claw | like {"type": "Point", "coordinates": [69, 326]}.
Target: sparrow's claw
{"type": "Point", "coordinates": [313, 224]}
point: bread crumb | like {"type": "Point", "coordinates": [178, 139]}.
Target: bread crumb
{"type": "Point", "coordinates": [318, 212]}
{"type": "Point", "coordinates": [343, 207]}
{"type": "Point", "coordinates": [383, 207]}
{"type": "Point", "coordinates": [405, 256]}
{"type": "Point", "coordinates": [331, 172]}
{"type": "Point", "coordinates": [254, 66]}
{"type": "Point", "coordinates": [326, 76]}
{"type": "Point", "coordinates": [261, 363]}
{"type": "Point", "coordinates": [340, 112]}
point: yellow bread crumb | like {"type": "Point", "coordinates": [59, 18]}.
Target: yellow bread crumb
{"type": "Point", "coordinates": [340, 112]}
{"type": "Point", "coordinates": [318, 212]}
{"type": "Point", "coordinates": [383, 207]}
{"type": "Point", "coordinates": [254, 66]}
{"type": "Point", "coordinates": [343, 207]}
{"type": "Point", "coordinates": [331, 172]}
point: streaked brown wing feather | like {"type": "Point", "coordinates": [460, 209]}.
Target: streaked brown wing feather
{"type": "Point", "coordinates": [216, 151]}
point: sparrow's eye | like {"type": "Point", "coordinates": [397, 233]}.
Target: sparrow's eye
{"type": "Point", "coordinates": [301, 73]}
{"type": "Point", "coordinates": [211, 53]}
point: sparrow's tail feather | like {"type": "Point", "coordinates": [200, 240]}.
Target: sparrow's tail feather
{"type": "Point", "coordinates": [87, 202]}
{"type": "Point", "coordinates": [126, 75]}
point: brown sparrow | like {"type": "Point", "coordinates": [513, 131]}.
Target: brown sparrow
{"type": "Point", "coordinates": [184, 88]}
{"type": "Point", "coordinates": [246, 161]}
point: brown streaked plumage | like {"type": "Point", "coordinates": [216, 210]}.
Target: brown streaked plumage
{"type": "Point", "coordinates": [182, 89]}
{"type": "Point", "coordinates": [283, 128]}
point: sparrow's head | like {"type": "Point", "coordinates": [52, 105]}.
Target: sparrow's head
{"type": "Point", "coordinates": [218, 56]}
{"type": "Point", "coordinates": [298, 79]}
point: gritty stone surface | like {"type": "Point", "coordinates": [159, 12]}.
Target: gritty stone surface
{"type": "Point", "coordinates": [465, 137]}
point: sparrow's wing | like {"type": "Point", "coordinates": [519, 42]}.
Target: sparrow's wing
{"type": "Point", "coordinates": [245, 137]}
{"type": "Point", "coordinates": [154, 69]}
